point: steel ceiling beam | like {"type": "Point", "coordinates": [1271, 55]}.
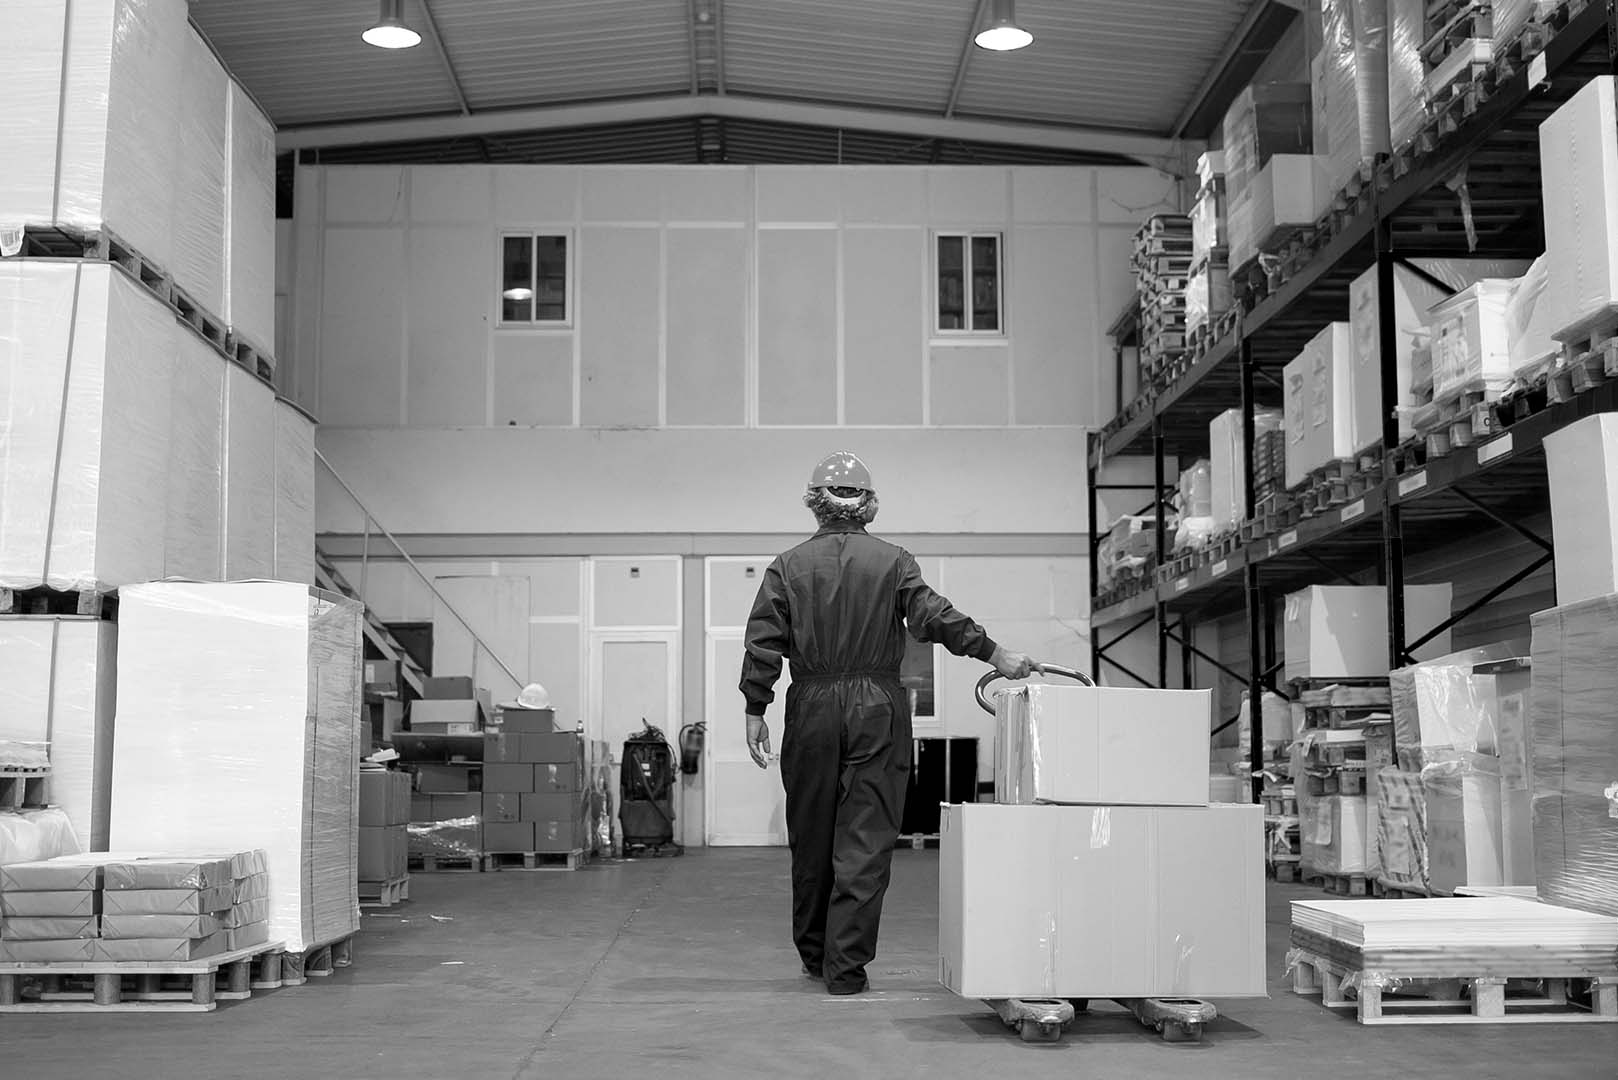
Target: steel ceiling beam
{"type": "Point", "coordinates": [965, 61]}
{"type": "Point", "coordinates": [443, 56]}
{"type": "Point", "coordinates": [1150, 149]}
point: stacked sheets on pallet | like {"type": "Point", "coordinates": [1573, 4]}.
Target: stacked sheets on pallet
{"type": "Point", "coordinates": [238, 721]}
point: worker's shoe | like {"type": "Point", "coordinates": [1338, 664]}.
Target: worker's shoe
{"type": "Point", "coordinates": [812, 973]}
{"type": "Point", "coordinates": [848, 989]}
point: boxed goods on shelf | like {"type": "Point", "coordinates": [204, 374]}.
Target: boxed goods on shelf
{"type": "Point", "coordinates": [1195, 525]}
{"type": "Point", "coordinates": [1208, 222]}
{"type": "Point", "coordinates": [1419, 76]}
{"type": "Point", "coordinates": [1084, 744]}
{"type": "Point", "coordinates": [1289, 193]}
{"type": "Point", "coordinates": [1079, 901]}
{"type": "Point", "coordinates": [1582, 461]}
{"type": "Point", "coordinates": [1265, 120]}
{"type": "Point", "coordinates": [1341, 631]}
{"type": "Point", "coordinates": [1574, 755]}
{"type": "Point", "coordinates": [1228, 462]}
{"type": "Point", "coordinates": [58, 686]}
{"type": "Point", "coordinates": [238, 722]}
{"type": "Point", "coordinates": [1333, 832]}
{"type": "Point", "coordinates": [1578, 153]}
{"type": "Point", "coordinates": [1470, 346]}
{"type": "Point", "coordinates": [1208, 295]}
{"type": "Point", "coordinates": [1318, 403]}
{"type": "Point", "coordinates": [1349, 80]}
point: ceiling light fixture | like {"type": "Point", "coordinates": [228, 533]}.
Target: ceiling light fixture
{"type": "Point", "coordinates": [390, 32]}
{"type": "Point", "coordinates": [1003, 34]}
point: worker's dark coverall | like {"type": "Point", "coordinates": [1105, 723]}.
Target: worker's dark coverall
{"type": "Point", "coordinates": [837, 606]}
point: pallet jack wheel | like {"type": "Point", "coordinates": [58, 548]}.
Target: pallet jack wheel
{"type": "Point", "coordinates": [1176, 1032]}
{"type": "Point", "coordinates": [1079, 1004]}
{"type": "Point", "coordinates": [1035, 1031]}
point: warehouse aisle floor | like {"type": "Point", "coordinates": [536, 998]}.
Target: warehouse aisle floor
{"type": "Point", "coordinates": [681, 968]}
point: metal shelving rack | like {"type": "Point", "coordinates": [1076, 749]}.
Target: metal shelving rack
{"type": "Point", "coordinates": [1501, 480]}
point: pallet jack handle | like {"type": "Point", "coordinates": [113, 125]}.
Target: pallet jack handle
{"type": "Point", "coordinates": [1048, 669]}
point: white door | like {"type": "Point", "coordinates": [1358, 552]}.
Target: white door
{"type": "Point", "coordinates": [745, 805]}
{"type": "Point", "coordinates": [634, 680]}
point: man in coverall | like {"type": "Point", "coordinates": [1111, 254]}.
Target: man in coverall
{"type": "Point", "coordinates": [838, 606]}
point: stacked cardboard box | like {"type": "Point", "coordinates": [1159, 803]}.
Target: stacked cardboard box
{"type": "Point", "coordinates": [1273, 182]}
{"type": "Point", "coordinates": [258, 684]}
{"type": "Point", "coordinates": [1578, 155]}
{"type": "Point", "coordinates": [1135, 888]}
{"type": "Point", "coordinates": [535, 797]}
{"type": "Point", "coordinates": [1341, 631]}
{"type": "Point", "coordinates": [133, 908]}
{"type": "Point", "coordinates": [384, 824]}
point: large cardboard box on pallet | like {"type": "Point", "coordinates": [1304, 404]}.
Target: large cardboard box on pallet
{"type": "Point", "coordinates": [58, 680]}
{"type": "Point", "coordinates": [1288, 193]}
{"type": "Point", "coordinates": [1318, 403]}
{"type": "Point", "coordinates": [1227, 463]}
{"type": "Point", "coordinates": [1582, 461]}
{"type": "Point", "coordinates": [1574, 757]}
{"type": "Point", "coordinates": [238, 726]}
{"type": "Point", "coordinates": [1578, 154]}
{"type": "Point", "coordinates": [1105, 745]}
{"type": "Point", "coordinates": [1341, 631]}
{"type": "Point", "coordinates": [1101, 901]}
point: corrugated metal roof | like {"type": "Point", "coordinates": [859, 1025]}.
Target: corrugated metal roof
{"type": "Point", "coordinates": [1103, 63]}
{"type": "Point", "coordinates": [306, 64]}
{"type": "Point", "coordinates": [519, 52]}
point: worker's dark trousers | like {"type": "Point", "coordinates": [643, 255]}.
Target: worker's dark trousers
{"type": "Point", "coordinates": [845, 761]}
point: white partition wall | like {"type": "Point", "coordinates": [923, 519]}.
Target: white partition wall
{"type": "Point", "coordinates": [746, 805]}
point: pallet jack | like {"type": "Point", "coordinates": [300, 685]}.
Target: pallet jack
{"type": "Point", "coordinates": [1043, 1019]}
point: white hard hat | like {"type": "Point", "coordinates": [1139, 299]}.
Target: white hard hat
{"type": "Point", "coordinates": [534, 696]}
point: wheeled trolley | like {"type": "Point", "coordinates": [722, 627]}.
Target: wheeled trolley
{"type": "Point", "coordinates": [1046, 1019]}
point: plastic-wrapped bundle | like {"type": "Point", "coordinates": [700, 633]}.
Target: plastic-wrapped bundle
{"type": "Point", "coordinates": [1439, 705]}
{"type": "Point", "coordinates": [1350, 81]}
{"type": "Point", "coordinates": [1574, 757]}
{"type": "Point", "coordinates": [1332, 831]}
{"type": "Point", "coordinates": [91, 129]}
{"type": "Point", "coordinates": [1407, 71]}
{"type": "Point", "coordinates": [1227, 463]}
{"type": "Point", "coordinates": [201, 165]}
{"type": "Point", "coordinates": [34, 835]}
{"type": "Point", "coordinates": [1471, 346]}
{"type": "Point", "coordinates": [250, 290]}
{"type": "Point", "coordinates": [456, 838]}
{"type": "Point", "coordinates": [294, 494]}
{"type": "Point", "coordinates": [1208, 295]}
{"type": "Point", "coordinates": [1578, 156]}
{"type": "Point", "coordinates": [1208, 233]}
{"type": "Point", "coordinates": [1511, 18]}
{"type": "Point", "coordinates": [1401, 840]}
{"type": "Point", "coordinates": [1266, 119]}
{"type": "Point", "coordinates": [238, 724]}
{"type": "Point", "coordinates": [1463, 821]}
{"type": "Point", "coordinates": [58, 685]}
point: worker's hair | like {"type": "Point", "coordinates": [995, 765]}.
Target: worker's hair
{"type": "Point", "coordinates": [829, 510]}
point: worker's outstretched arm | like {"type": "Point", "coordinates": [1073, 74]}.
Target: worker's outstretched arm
{"type": "Point", "coordinates": [768, 633]}
{"type": "Point", "coordinates": [932, 618]}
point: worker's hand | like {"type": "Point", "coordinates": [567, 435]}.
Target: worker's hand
{"type": "Point", "coordinates": [758, 741]}
{"type": "Point", "coordinates": [1013, 665]}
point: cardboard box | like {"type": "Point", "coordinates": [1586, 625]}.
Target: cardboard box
{"type": "Point", "coordinates": [1578, 155]}
{"type": "Point", "coordinates": [1412, 297]}
{"type": "Point", "coordinates": [552, 806]}
{"type": "Point", "coordinates": [1227, 462]}
{"type": "Point", "coordinates": [382, 677]}
{"type": "Point", "coordinates": [1318, 404]}
{"type": "Point", "coordinates": [503, 806]}
{"type": "Point", "coordinates": [448, 779]}
{"type": "Point", "coordinates": [1289, 192]}
{"type": "Point", "coordinates": [559, 837]}
{"type": "Point", "coordinates": [1265, 120]}
{"type": "Point", "coordinates": [559, 747]}
{"type": "Point", "coordinates": [446, 717]}
{"type": "Point", "coordinates": [421, 808]}
{"type": "Point", "coordinates": [1379, 755]}
{"type": "Point", "coordinates": [1078, 901]}
{"type": "Point", "coordinates": [1463, 822]}
{"type": "Point", "coordinates": [508, 836]}
{"type": "Point", "coordinates": [376, 852]}
{"type": "Point", "coordinates": [501, 748]}
{"type": "Point", "coordinates": [1332, 834]}
{"type": "Point", "coordinates": [557, 778]}
{"type": "Point", "coordinates": [448, 688]}
{"type": "Point", "coordinates": [1085, 744]}
{"type": "Point", "coordinates": [384, 797]}
{"type": "Point", "coordinates": [456, 807]}
{"type": "Point", "coordinates": [1341, 631]}
{"type": "Point", "coordinates": [528, 721]}
{"type": "Point", "coordinates": [1582, 460]}
{"type": "Point", "coordinates": [508, 778]}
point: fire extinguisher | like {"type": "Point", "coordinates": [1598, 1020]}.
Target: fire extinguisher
{"type": "Point", "coordinates": [691, 739]}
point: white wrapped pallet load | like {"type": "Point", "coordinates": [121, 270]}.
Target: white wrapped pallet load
{"type": "Point", "coordinates": [1582, 462]}
{"type": "Point", "coordinates": [1350, 87]}
{"type": "Point", "coordinates": [250, 291]}
{"type": "Point", "coordinates": [238, 727]}
{"type": "Point", "coordinates": [58, 687]}
{"type": "Point", "coordinates": [91, 358]}
{"type": "Point", "coordinates": [1318, 403]}
{"type": "Point", "coordinates": [249, 476]}
{"type": "Point", "coordinates": [200, 181]}
{"type": "Point", "coordinates": [1470, 342]}
{"type": "Point", "coordinates": [294, 494]}
{"type": "Point", "coordinates": [1407, 71]}
{"type": "Point", "coordinates": [194, 546]}
{"type": "Point", "coordinates": [1228, 464]}
{"type": "Point", "coordinates": [91, 130]}
{"type": "Point", "coordinates": [1578, 154]}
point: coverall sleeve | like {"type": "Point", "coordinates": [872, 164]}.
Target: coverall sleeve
{"type": "Point", "coordinates": [932, 618]}
{"type": "Point", "coordinates": [769, 630]}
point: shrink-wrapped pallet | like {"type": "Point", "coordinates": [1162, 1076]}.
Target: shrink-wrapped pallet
{"type": "Point", "coordinates": [250, 215]}
{"type": "Point", "coordinates": [1470, 342]}
{"type": "Point", "coordinates": [1350, 87]}
{"type": "Point", "coordinates": [84, 466]}
{"type": "Point", "coordinates": [58, 678]}
{"type": "Point", "coordinates": [1318, 403]}
{"type": "Point", "coordinates": [1407, 72]}
{"type": "Point", "coordinates": [1574, 758]}
{"type": "Point", "coordinates": [238, 726]}
{"type": "Point", "coordinates": [1266, 119]}
{"type": "Point", "coordinates": [1582, 463]}
{"type": "Point", "coordinates": [1288, 193]}
{"type": "Point", "coordinates": [1578, 154]}
{"type": "Point", "coordinates": [1228, 463]}
{"type": "Point", "coordinates": [93, 99]}
{"type": "Point", "coordinates": [194, 538]}
{"type": "Point", "coordinates": [200, 236]}
{"type": "Point", "coordinates": [294, 494]}
{"type": "Point", "coordinates": [250, 476]}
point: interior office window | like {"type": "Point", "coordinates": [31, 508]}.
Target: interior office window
{"type": "Point", "coordinates": [969, 283]}
{"type": "Point", "coordinates": [533, 278]}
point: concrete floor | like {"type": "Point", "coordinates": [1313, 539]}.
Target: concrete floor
{"type": "Point", "coordinates": [682, 968]}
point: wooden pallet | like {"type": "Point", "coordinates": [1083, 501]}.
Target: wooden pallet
{"type": "Point", "coordinates": [1284, 871]}
{"type": "Point", "coordinates": [20, 787]}
{"type": "Point", "coordinates": [250, 355]}
{"type": "Point", "coordinates": [1482, 998]}
{"type": "Point", "coordinates": [44, 601]}
{"type": "Point", "coordinates": [1338, 884]}
{"type": "Point", "coordinates": [384, 894]}
{"type": "Point", "coordinates": [294, 969]}
{"type": "Point", "coordinates": [533, 860]}
{"type": "Point", "coordinates": [1383, 890]}
{"type": "Point", "coordinates": [920, 841]}
{"type": "Point", "coordinates": [446, 864]}
{"type": "Point", "coordinates": [134, 986]}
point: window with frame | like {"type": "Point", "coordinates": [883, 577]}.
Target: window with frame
{"type": "Point", "coordinates": [533, 279]}
{"type": "Point", "coordinates": [968, 283]}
